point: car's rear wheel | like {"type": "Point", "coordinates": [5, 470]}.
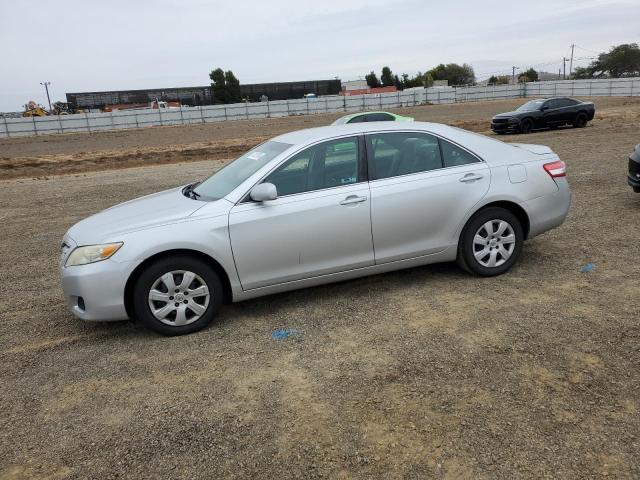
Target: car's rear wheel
{"type": "Point", "coordinates": [491, 242]}
{"type": "Point", "coordinates": [580, 121]}
{"type": "Point", "coordinates": [177, 295]}
{"type": "Point", "coordinates": [526, 126]}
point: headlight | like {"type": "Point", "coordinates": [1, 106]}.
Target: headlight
{"type": "Point", "coordinates": [514, 120]}
{"type": "Point", "coordinates": [92, 254]}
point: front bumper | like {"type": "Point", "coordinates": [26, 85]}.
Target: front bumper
{"type": "Point", "coordinates": [633, 179]}
{"type": "Point", "coordinates": [509, 126]}
{"type": "Point", "coordinates": [95, 291]}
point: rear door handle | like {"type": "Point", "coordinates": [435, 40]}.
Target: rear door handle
{"type": "Point", "coordinates": [352, 199]}
{"type": "Point", "coordinates": [471, 177]}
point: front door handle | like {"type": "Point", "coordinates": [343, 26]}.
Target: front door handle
{"type": "Point", "coordinates": [352, 199]}
{"type": "Point", "coordinates": [471, 177]}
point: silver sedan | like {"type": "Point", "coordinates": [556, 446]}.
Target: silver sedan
{"type": "Point", "coordinates": [312, 207]}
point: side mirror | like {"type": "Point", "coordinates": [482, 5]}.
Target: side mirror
{"type": "Point", "coordinates": [264, 192]}
{"type": "Point", "coordinates": [542, 109]}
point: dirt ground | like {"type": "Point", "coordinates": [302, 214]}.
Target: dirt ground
{"type": "Point", "coordinates": [425, 373]}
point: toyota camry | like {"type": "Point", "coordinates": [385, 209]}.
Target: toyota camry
{"type": "Point", "coordinates": [312, 207]}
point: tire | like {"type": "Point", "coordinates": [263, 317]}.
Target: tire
{"type": "Point", "coordinates": [179, 309]}
{"type": "Point", "coordinates": [526, 126]}
{"type": "Point", "coordinates": [580, 121]}
{"type": "Point", "coordinates": [470, 250]}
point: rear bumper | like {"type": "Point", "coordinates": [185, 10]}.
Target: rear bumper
{"type": "Point", "coordinates": [634, 183]}
{"type": "Point", "coordinates": [549, 211]}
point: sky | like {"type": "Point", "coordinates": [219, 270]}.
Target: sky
{"type": "Point", "coordinates": [84, 45]}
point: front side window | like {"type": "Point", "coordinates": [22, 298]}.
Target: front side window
{"type": "Point", "coordinates": [326, 165]}
{"type": "Point", "coordinates": [553, 104]}
{"type": "Point", "coordinates": [225, 180]}
{"type": "Point", "coordinates": [403, 153]}
{"type": "Point", "coordinates": [454, 156]}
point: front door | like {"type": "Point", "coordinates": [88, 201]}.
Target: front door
{"type": "Point", "coordinates": [319, 224]}
{"type": "Point", "coordinates": [421, 188]}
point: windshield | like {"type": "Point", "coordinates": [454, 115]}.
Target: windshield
{"type": "Point", "coordinates": [225, 180]}
{"type": "Point", "coordinates": [530, 106]}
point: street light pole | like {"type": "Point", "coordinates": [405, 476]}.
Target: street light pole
{"type": "Point", "coordinates": [46, 87]}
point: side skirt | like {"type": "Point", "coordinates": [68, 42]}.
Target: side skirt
{"type": "Point", "coordinates": [447, 255]}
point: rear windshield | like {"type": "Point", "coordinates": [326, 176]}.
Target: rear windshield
{"type": "Point", "coordinates": [225, 180]}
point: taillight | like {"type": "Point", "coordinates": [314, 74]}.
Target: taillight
{"type": "Point", "coordinates": [556, 169]}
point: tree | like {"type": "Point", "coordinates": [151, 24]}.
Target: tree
{"type": "Point", "coordinates": [386, 77]}
{"type": "Point", "coordinates": [582, 73]}
{"type": "Point", "coordinates": [427, 80]}
{"type": "Point", "coordinates": [372, 80]}
{"type": "Point", "coordinates": [528, 76]}
{"type": "Point", "coordinates": [499, 80]}
{"type": "Point", "coordinates": [621, 61]}
{"type": "Point", "coordinates": [233, 87]}
{"type": "Point", "coordinates": [219, 86]}
{"type": "Point", "coordinates": [397, 82]}
{"type": "Point", "coordinates": [225, 85]}
{"type": "Point", "coordinates": [455, 74]}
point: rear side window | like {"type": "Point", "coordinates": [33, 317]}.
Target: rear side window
{"type": "Point", "coordinates": [403, 153]}
{"type": "Point", "coordinates": [566, 102]}
{"type": "Point", "coordinates": [454, 156]}
{"type": "Point", "coordinates": [358, 119]}
{"type": "Point", "coordinates": [379, 117]}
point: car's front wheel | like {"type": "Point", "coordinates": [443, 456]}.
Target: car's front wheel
{"type": "Point", "coordinates": [491, 242]}
{"type": "Point", "coordinates": [177, 295]}
{"type": "Point", "coordinates": [526, 126]}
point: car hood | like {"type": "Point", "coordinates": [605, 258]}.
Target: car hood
{"type": "Point", "coordinates": [508, 114]}
{"type": "Point", "coordinates": [144, 212]}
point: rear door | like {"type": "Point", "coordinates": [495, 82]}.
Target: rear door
{"type": "Point", "coordinates": [555, 113]}
{"type": "Point", "coordinates": [421, 189]}
{"type": "Point", "coordinates": [319, 224]}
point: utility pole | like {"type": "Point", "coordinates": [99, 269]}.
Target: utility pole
{"type": "Point", "coordinates": [513, 74]}
{"type": "Point", "coordinates": [46, 87]}
{"type": "Point", "coordinates": [564, 67]}
{"type": "Point", "coordinates": [571, 62]}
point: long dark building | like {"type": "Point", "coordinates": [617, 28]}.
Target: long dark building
{"type": "Point", "coordinates": [185, 95]}
{"type": "Point", "coordinates": [203, 95]}
{"type": "Point", "coordinates": [287, 90]}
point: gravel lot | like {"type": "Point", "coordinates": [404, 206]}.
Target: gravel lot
{"type": "Point", "coordinates": [425, 373]}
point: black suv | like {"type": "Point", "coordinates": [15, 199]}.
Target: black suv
{"type": "Point", "coordinates": [544, 113]}
{"type": "Point", "coordinates": [634, 169]}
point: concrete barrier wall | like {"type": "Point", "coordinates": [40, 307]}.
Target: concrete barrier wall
{"type": "Point", "coordinates": [94, 122]}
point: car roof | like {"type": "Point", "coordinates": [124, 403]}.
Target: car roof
{"type": "Point", "coordinates": [479, 144]}
{"type": "Point", "coordinates": [356, 114]}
